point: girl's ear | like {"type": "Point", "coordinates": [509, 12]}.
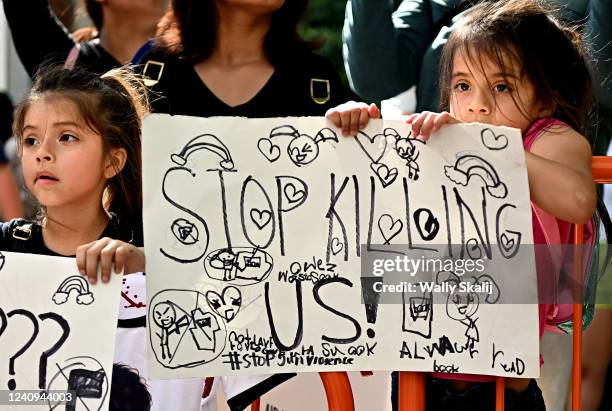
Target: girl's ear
{"type": "Point", "coordinates": [114, 162]}
{"type": "Point", "coordinates": [546, 109]}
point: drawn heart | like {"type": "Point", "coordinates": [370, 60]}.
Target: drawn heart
{"type": "Point", "coordinates": [492, 141]}
{"type": "Point", "coordinates": [336, 246]}
{"type": "Point", "coordinates": [429, 229]}
{"type": "Point", "coordinates": [510, 244]}
{"type": "Point", "coordinates": [227, 304]}
{"type": "Point", "coordinates": [389, 228]}
{"type": "Point", "coordinates": [385, 175]}
{"type": "Point", "coordinates": [269, 150]}
{"type": "Point", "coordinates": [292, 194]}
{"type": "Point", "coordinates": [373, 147]}
{"type": "Point", "coordinates": [261, 218]}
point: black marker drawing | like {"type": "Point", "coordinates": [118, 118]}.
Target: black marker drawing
{"type": "Point", "coordinates": [85, 384]}
{"type": "Point", "coordinates": [238, 265]}
{"type": "Point", "coordinates": [79, 285]}
{"type": "Point", "coordinates": [302, 148]}
{"type": "Point", "coordinates": [256, 214]}
{"type": "Point", "coordinates": [85, 377]}
{"type": "Point", "coordinates": [480, 244]}
{"type": "Point", "coordinates": [408, 150]}
{"type": "Point", "coordinates": [389, 227]}
{"type": "Point", "coordinates": [336, 246]}
{"type": "Point", "coordinates": [185, 231]}
{"type": "Point", "coordinates": [417, 314]}
{"type": "Point", "coordinates": [179, 226]}
{"type": "Point", "coordinates": [44, 357]}
{"type": "Point", "coordinates": [493, 141]}
{"type": "Point", "coordinates": [374, 148]}
{"type": "Point", "coordinates": [46, 354]}
{"type": "Point", "coordinates": [509, 241]}
{"type": "Point", "coordinates": [185, 332]}
{"type": "Point", "coordinates": [468, 166]}
{"type": "Point", "coordinates": [227, 304]}
{"type": "Point", "coordinates": [204, 330]}
{"type": "Point", "coordinates": [209, 143]}
{"type": "Point", "coordinates": [294, 194]}
{"type": "Point", "coordinates": [341, 243]}
{"type": "Point", "coordinates": [464, 299]}
{"type": "Point", "coordinates": [164, 316]}
{"type": "Point", "coordinates": [261, 218]}
{"type": "Point", "coordinates": [12, 384]}
{"type": "Point", "coordinates": [1, 260]}
{"type": "Point", "coordinates": [371, 299]}
{"type": "Point", "coordinates": [429, 228]}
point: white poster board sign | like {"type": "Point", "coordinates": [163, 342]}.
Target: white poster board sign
{"type": "Point", "coordinates": [261, 241]}
{"type": "Point", "coordinates": [57, 334]}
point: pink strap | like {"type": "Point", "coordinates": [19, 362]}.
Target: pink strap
{"type": "Point", "coordinates": [72, 56]}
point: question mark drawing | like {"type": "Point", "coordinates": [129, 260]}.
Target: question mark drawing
{"type": "Point", "coordinates": [12, 384]}
{"type": "Point", "coordinates": [44, 357]}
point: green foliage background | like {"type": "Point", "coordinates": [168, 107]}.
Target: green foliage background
{"type": "Point", "coordinates": [323, 21]}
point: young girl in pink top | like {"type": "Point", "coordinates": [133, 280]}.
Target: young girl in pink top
{"type": "Point", "coordinates": [513, 64]}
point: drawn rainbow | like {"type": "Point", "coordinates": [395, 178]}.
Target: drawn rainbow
{"type": "Point", "coordinates": [75, 282]}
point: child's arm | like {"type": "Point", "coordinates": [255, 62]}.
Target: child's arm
{"type": "Point", "coordinates": [107, 252]}
{"type": "Point", "coordinates": [352, 116]}
{"type": "Point", "coordinates": [560, 178]}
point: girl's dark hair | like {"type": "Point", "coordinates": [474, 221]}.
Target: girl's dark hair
{"type": "Point", "coordinates": [551, 56]}
{"type": "Point", "coordinates": [112, 105]}
{"type": "Point", "coordinates": [128, 391]}
{"type": "Point", "coordinates": [94, 9]}
{"type": "Point", "coordinates": [189, 29]}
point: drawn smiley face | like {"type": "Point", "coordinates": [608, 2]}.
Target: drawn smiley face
{"type": "Point", "coordinates": [460, 305]}
{"type": "Point", "coordinates": [303, 150]}
{"type": "Point", "coordinates": [405, 148]}
{"type": "Point", "coordinates": [164, 314]}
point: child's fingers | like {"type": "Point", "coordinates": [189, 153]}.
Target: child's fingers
{"type": "Point", "coordinates": [91, 260]}
{"type": "Point", "coordinates": [427, 125]}
{"type": "Point", "coordinates": [411, 117]}
{"type": "Point", "coordinates": [107, 255]}
{"type": "Point", "coordinates": [334, 116]}
{"type": "Point", "coordinates": [81, 257]}
{"type": "Point", "coordinates": [121, 256]}
{"type": "Point", "coordinates": [345, 121]}
{"type": "Point", "coordinates": [373, 111]}
{"type": "Point", "coordinates": [364, 118]}
{"type": "Point", "coordinates": [442, 119]}
{"type": "Point", "coordinates": [417, 123]}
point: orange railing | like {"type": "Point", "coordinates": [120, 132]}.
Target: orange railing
{"type": "Point", "coordinates": [412, 384]}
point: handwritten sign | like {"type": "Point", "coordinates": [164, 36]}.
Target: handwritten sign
{"type": "Point", "coordinates": [57, 334]}
{"type": "Point", "coordinates": [277, 245]}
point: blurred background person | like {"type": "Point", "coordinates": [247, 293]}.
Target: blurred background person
{"type": "Point", "coordinates": [239, 58]}
{"type": "Point", "coordinates": [10, 197]}
{"type": "Point", "coordinates": [122, 28]}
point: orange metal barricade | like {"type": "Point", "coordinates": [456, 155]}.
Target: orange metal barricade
{"type": "Point", "coordinates": [412, 384]}
{"type": "Point", "coordinates": [337, 390]}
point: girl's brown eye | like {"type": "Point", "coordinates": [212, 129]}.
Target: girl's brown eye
{"type": "Point", "coordinates": [29, 141]}
{"type": "Point", "coordinates": [67, 137]}
{"type": "Point", "coordinates": [501, 88]}
{"type": "Point", "coordinates": [462, 86]}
